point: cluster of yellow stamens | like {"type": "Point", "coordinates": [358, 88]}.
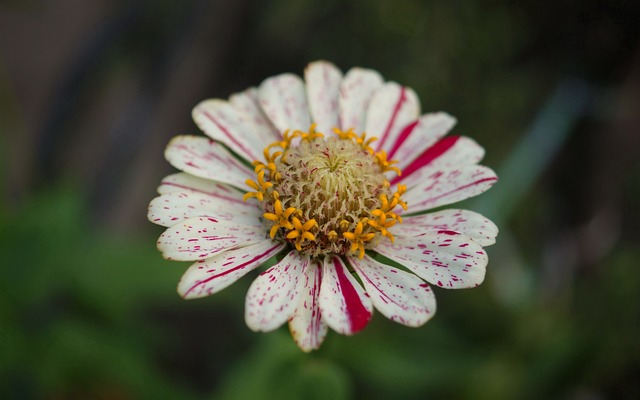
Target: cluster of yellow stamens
{"type": "Point", "coordinates": [327, 195]}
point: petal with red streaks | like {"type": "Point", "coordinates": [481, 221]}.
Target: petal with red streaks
{"type": "Point", "coordinates": [356, 91]}
{"type": "Point", "coordinates": [442, 186]}
{"type": "Point", "coordinates": [398, 295]}
{"type": "Point", "coordinates": [419, 135]}
{"type": "Point", "coordinates": [284, 100]}
{"type": "Point", "coordinates": [183, 182]}
{"type": "Point", "coordinates": [449, 260]}
{"type": "Point", "coordinates": [344, 304]}
{"type": "Point", "coordinates": [323, 86]}
{"type": "Point", "coordinates": [207, 159]}
{"type": "Point", "coordinates": [172, 208]}
{"type": "Point", "coordinates": [448, 152]}
{"type": "Point", "coordinates": [226, 124]}
{"type": "Point", "coordinates": [273, 296]}
{"type": "Point", "coordinates": [391, 109]}
{"type": "Point", "coordinates": [306, 326]}
{"type": "Point", "coordinates": [200, 238]}
{"type": "Point", "coordinates": [247, 102]}
{"type": "Point", "coordinates": [469, 223]}
{"type": "Point", "coordinates": [206, 277]}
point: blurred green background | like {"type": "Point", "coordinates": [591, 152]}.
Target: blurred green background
{"type": "Point", "coordinates": [91, 91]}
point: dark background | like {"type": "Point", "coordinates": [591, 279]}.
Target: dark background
{"type": "Point", "coordinates": [91, 92]}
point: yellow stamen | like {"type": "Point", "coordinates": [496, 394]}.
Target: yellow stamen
{"type": "Point", "coordinates": [280, 218]}
{"type": "Point", "coordinates": [364, 143]}
{"type": "Point", "coordinates": [358, 239]}
{"type": "Point", "coordinates": [260, 187]}
{"type": "Point", "coordinates": [382, 223]}
{"type": "Point", "coordinates": [301, 232]}
{"type": "Point", "coordinates": [344, 135]}
{"type": "Point", "coordinates": [386, 165]}
{"type": "Point", "coordinates": [309, 136]}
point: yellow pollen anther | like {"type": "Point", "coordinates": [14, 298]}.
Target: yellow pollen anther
{"type": "Point", "coordinates": [386, 165]}
{"type": "Point", "coordinates": [301, 232]}
{"type": "Point", "coordinates": [382, 223]}
{"type": "Point", "coordinates": [364, 143]}
{"type": "Point", "coordinates": [396, 197]}
{"type": "Point", "coordinates": [344, 135]}
{"type": "Point", "coordinates": [270, 167]}
{"type": "Point", "coordinates": [279, 217]}
{"type": "Point", "coordinates": [260, 187]}
{"type": "Point", "coordinates": [358, 239]}
{"type": "Point", "coordinates": [309, 136]}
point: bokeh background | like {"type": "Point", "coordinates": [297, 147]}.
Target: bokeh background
{"type": "Point", "coordinates": [91, 92]}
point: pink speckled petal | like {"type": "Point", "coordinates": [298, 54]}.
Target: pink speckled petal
{"type": "Point", "coordinates": [172, 208]}
{"type": "Point", "coordinates": [419, 135]}
{"type": "Point", "coordinates": [448, 152]}
{"type": "Point", "coordinates": [207, 159]}
{"type": "Point", "coordinates": [344, 304]}
{"type": "Point", "coordinates": [442, 186]}
{"type": "Point", "coordinates": [464, 151]}
{"type": "Point", "coordinates": [400, 296]}
{"type": "Point", "coordinates": [392, 108]}
{"type": "Point", "coordinates": [200, 238]}
{"type": "Point", "coordinates": [284, 100]}
{"type": "Point", "coordinates": [469, 223]}
{"type": "Point", "coordinates": [183, 182]}
{"type": "Point", "coordinates": [449, 260]}
{"type": "Point", "coordinates": [206, 277]}
{"type": "Point", "coordinates": [323, 86]}
{"type": "Point", "coordinates": [247, 102]}
{"type": "Point", "coordinates": [356, 91]}
{"type": "Point", "coordinates": [306, 326]}
{"type": "Point", "coordinates": [226, 124]}
{"type": "Point", "coordinates": [273, 296]}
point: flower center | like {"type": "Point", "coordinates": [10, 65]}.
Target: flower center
{"type": "Point", "coordinates": [327, 195]}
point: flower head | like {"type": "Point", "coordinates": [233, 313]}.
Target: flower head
{"type": "Point", "coordinates": [331, 174]}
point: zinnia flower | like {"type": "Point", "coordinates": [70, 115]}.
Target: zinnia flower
{"type": "Point", "coordinates": [289, 172]}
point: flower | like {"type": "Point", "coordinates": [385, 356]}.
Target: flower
{"type": "Point", "coordinates": [289, 172]}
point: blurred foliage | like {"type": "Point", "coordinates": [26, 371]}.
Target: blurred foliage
{"type": "Point", "coordinates": [88, 308]}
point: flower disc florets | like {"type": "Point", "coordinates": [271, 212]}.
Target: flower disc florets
{"type": "Point", "coordinates": [326, 195]}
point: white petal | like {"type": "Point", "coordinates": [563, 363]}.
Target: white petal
{"type": "Point", "coordinates": [306, 326]}
{"type": "Point", "coordinates": [344, 305]}
{"type": "Point", "coordinates": [183, 182]}
{"type": "Point", "coordinates": [356, 91]}
{"type": "Point", "coordinates": [449, 260]}
{"type": "Point", "coordinates": [448, 185]}
{"type": "Point", "coordinates": [284, 101]}
{"type": "Point", "coordinates": [200, 238]}
{"type": "Point", "coordinates": [398, 295]}
{"type": "Point", "coordinates": [469, 223]}
{"type": "Point", "coordinates": [248, 103]}
{"type": "Point", "coordinates": [223, 122]}
{"type": "Point", "coordinates": [464, 151]}
{"type": "Point", "coordinates": [420, 135]}
{"type": "Point", "coordinates": [207, 159]}
{"type": "Point", "coordinates": [392, 108]}
{"type": "Point", "coordinates": [323, 87]}
{"type": "Point", "coordinates": [273, 296]}
{"type": "Point", "coordinates": [450, 151]}
{"type": "Point", "coordinates": [172, 208]}
{"type": "Point", "coordinates": [206, 277]}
